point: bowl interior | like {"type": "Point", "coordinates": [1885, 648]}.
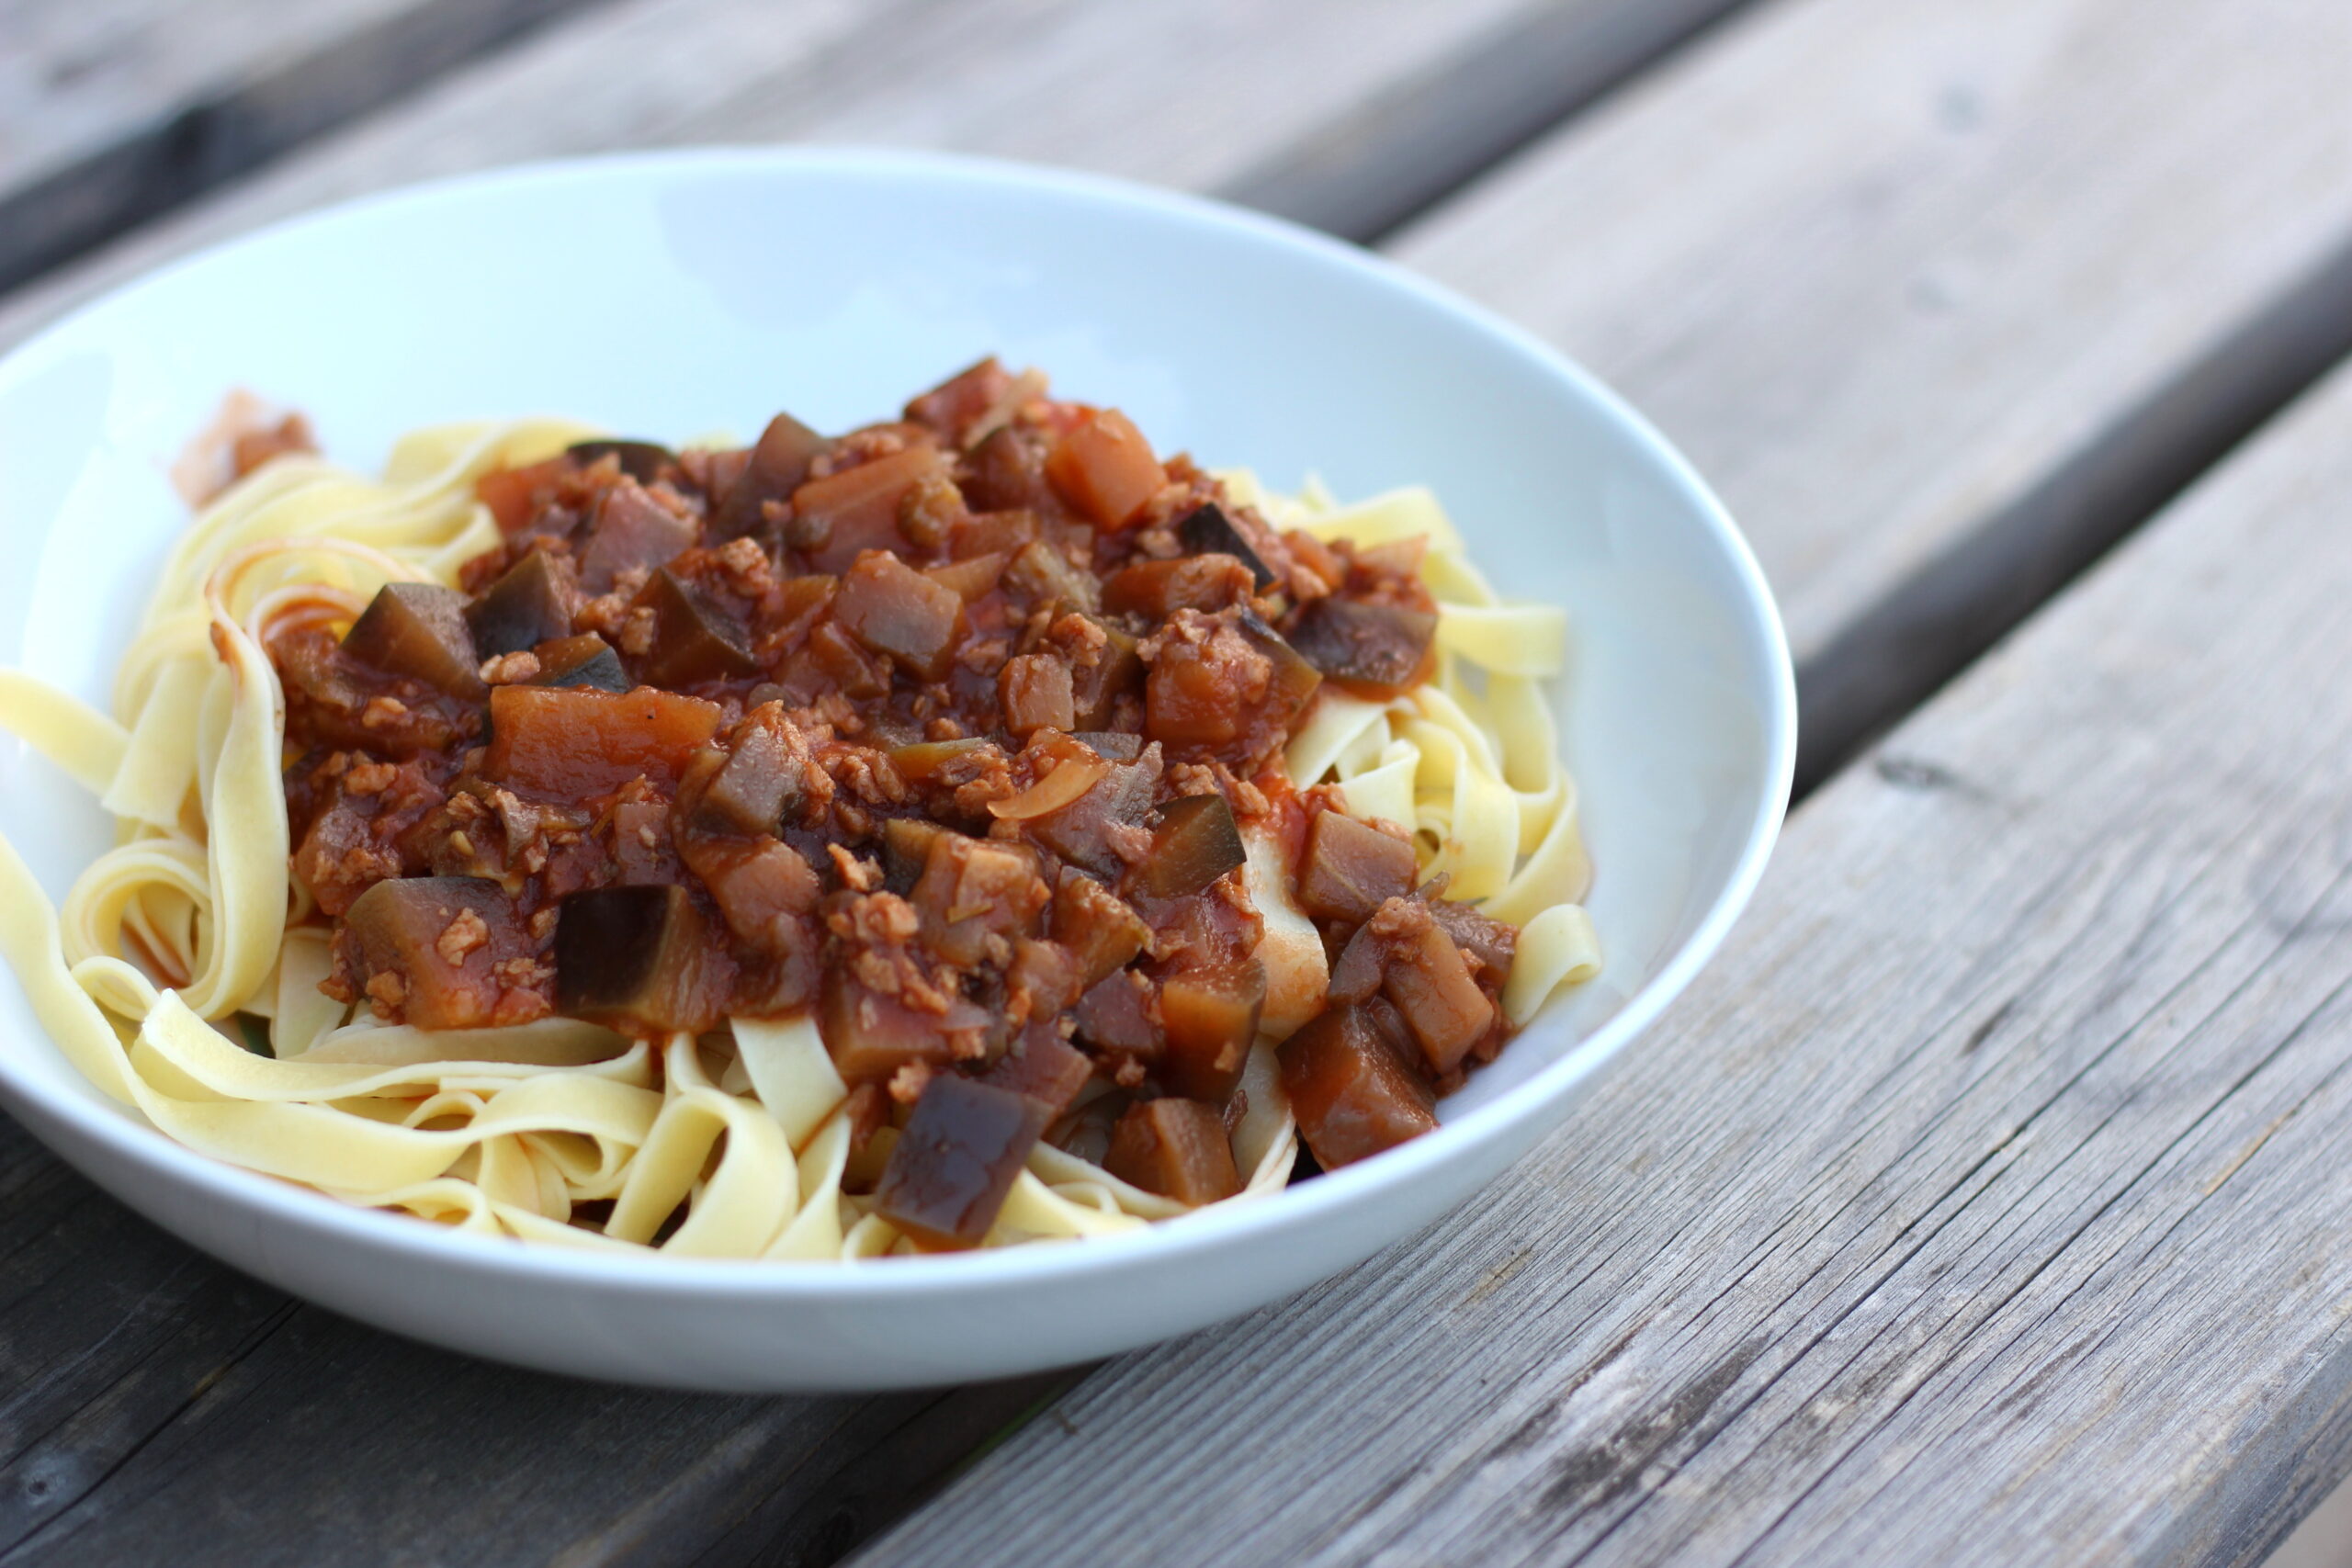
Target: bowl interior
{"type": "Point", "coordinates": [692, 295]}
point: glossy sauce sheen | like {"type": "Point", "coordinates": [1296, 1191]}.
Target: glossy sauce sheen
{"type": "Point", "coordinates": [948, 729]}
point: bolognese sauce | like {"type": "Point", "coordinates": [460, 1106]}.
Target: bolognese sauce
{"type": "Point", "coordinates": [963, 732]}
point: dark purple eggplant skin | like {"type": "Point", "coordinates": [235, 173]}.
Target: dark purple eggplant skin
{"type": "Point", "coordinates": [1207, 530]}
{"type": "Point", "coordinates": [615, 949]}
{"type": "Point", "coordinates": [959, 1154]}
{"type": "Point", "coordinates": [418, 629]}
{"type": "Point", "coordinates": [522, 609]}
{"type": "Point", "coordinates": [694, 639]}
{"type": "Point", "coordinates": [1381, 648]}
{"type": "Point", "coordinates": [778, 464]}
{"type": "Point", "coordinates": [601, 671]}
{"type": "Point", "coordinates": [1196, 842]}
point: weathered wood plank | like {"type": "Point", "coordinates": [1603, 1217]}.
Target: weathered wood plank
{"type": "Point", "coordinates": [1984, 1204]}
{"type": "Point", "coordinates": [280, 1429]}
{"type": "Point", "coordinates": [113, 111]}
{"type": "Point", "coordinates": [1942, 298]}
{"type": "Point", "coordinates": [1333, 109]}
{"type": "Point", "coordinates": [1345, 115]}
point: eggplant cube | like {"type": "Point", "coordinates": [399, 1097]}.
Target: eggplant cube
{"type": "Point", "coordinates": [1351, 868]}
{"type": "Point", "coordinates": [1379, 650]}
{"type": "Point", "coordinates": [583, 661]}
{"type": "Point", "coordinates": [1177, 1148]}
{"type": "Point", "coordinates": [634, 956]}
{"type": "Point", "coordinates": [694, 638]}
{"type": "Point", "coordinates": [957, 1158]}
{"type": "Point", "coordinates": [419, 630]}
{"type": "Point", "coordinates": [1196, 843]}
{"type": "Point", "coordinates": [1206, 530]}
{"type": "Point", "coordinates": [525, 607]}
{"type": "Point", "coordinates": [1351, 1085]}
{"type": "Point", "coordinates": [1210, 1016]}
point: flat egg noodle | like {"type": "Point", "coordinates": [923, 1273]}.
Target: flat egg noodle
{"type": "Point", "coordinates": [1469, 762]}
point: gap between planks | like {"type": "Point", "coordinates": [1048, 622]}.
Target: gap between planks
{"type": "Point", "coordinates": [113, 112]}
{"type": "Point", "coordinates": [1942, 299]}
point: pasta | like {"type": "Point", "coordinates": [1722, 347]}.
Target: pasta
{"type": "Point", "coordinates": [190, 943]}
{"type": "Point", "coordinates": [1469, 762]}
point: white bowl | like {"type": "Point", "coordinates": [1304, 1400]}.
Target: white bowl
{"type": "Point", "coordinates": [680, 294]}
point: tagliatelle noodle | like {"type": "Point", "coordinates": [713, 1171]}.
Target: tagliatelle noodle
{"type": "Point", "coordinates": [187, 920]}
{"type": "Point", "coordinates": [1470, 760]}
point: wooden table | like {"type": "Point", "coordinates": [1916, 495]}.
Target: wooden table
{"type": "Point", "coordinates": [1988, 1200]}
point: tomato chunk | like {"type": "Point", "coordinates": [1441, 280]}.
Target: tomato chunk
{"type": "Point", "coordinates": [1105, 469]}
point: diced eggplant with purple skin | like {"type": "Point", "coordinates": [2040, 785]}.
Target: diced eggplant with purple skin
{"type": "Point", "coordinates": [762, 775]}
{"type": "Point", "coordinates": [1158, 589]}
{"type": "Point", "coordinates": [1355, 974]}
{"type": "Point", "coordinates": [398, 927]}
{"type": "Point", "coordinates": [1178, 1148]}
{"type": "Point", "coordinates": [583, 661]}
{"type": "Point", "coordinates": [1351, 1085]}
{"type": "Point", "coordinates": [1405, 952]}
{"type": "Point", "coordinates": [1111, 745]}
{"type": "Point", "coordinates": [1439, 999]}
{"type": "Point", "coordinates": [778, 463]}
{"type": "Point", "coordinates": [638, 955]}
{"type": "Point", "coordinates": [894, 609]}
{"type": "Point", "coordinates": [906, 847]}
{"type": "Point", "coordinates": [871, 1036]}
{"type": "Point", "coordinates": [972, 889]}
{"type": "Point", "coordinates": [1102, 931]}
{"type": "Point", "coordinates": [834, 659]}
{"type": "Point", "coordinates": [956, 1159]}
{"type": "Point", "coordinates": [640, 460]}
{"type": "Point", "coordinates": [528, 605]}
{"type": "Point", "coordinates": [1210, 1017]}
{"type": "Point", "coordinates": [1206, 530]}
{"type": "Point", "coordinates": [629, 531]}
{"type": "Point", "coordinates": [1120, 1014]}
{"type": "Point", "coordinates": [1095, 690]}
{"type": "Point", "coordinates": [1377, 651]}
{"type": "Point", "coordinates": [923, 759]}
{"type": "Point", "coordinates": [1489, 940]}
{"type": "Point", "coordinates": [694, 638]}
{"type": "Point", "coordinates": [1044, 1066]}
{"type": "Point", "coordinates": [1351, 868]}
{"type": "Point", "coordinates": [1043, 980]}
{"type": "Point", "coordinates": [1296, 680]}
{"type": "Point", "coordinates": [1196, 842]}
{"type": "Point", "coordinates": [1082, 832]}
{"type": "Point", "coordinates": [418, 629]}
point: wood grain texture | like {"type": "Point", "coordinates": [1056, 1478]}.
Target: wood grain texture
{"type": "Point", "coordinates": [1943, 298]}
{"type": "Point", "coordinates": [113, 111]}
{"type": "Point", "coordinates": [1984, 1204]}
{"type": "Point", "coordinates": [1320, 105]}
{"type": "Point", "coordinates": [147, 1395]}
